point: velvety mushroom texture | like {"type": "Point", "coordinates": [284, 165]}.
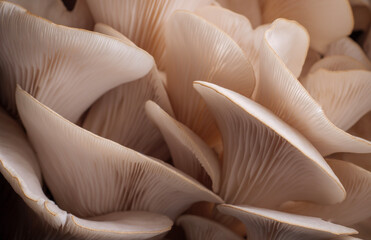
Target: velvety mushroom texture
{"type": "Point", "coordinates": [64, 68]}
{"type": "Point", "coordinates": [142, 21]}
{"type": "Point", "coordinates": [119, 114]}
{"type": "Point", "coordinates": [265, 161]}
{"type": "Point", "coordinates": [274, 225]}
{"type": "Point", "coordinates": [355, 208]}
{"type": "Point", "coordinates": [198, 228]}
{"type": "Point", "coordinates": [19, 166]}
{"type": "Point", "coordinates": [89, 175]}
{"type": "Point", "coordinates": [289, 100]}
{"type": "Point", "coordinates": [208, 54]}
{"type": "Point", "coordinates": [189, 153]}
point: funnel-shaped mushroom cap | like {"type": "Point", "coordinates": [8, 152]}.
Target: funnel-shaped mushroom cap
{"type": "Point", "coordinates": [119, 114]}
{"type": "Point", "coordinates": [280, 91]}
{"type": "Point", "coordinates": [198, 228]}
{"type": "Point", "coordinates": [355, 208]}
{"type": "Point", "coordinates": [345, 96]}
{"type": "Point", "coordinates": [141, 21]}
{"type": "Point", "coordinates": [18, 164]}
{"type": "Point", "coordinates": [348, 47]}
{"type": "Point", "coordinates": [274, 225]}
{"type": "Point", "coordinates": [189, 153]}
{"type": "Point", "coordinates": [265, 161]}
{"type": "Point", "coordinates": [55, 11]}
{"type": "Point", "coordinates": [207, 54]}
{"type": "Point", "coordinates": [66, 69]}
{"type": "Point", "coordinates": [250, 9]}
{"type": "Point", "coordinates": [100, 176]}
{"type": "Point", "coordinates": [325, 20]}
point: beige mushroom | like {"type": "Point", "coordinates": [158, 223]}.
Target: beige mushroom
{"type": "Point", "coordinates": [189, 153]}
{"type": "Point", "coordinates": [19, 166]}
{"type": "Point", "coordinates": [208, 54]}
{"type": "Point", "coordinates": [66, 69]}
{"type": "Point", "coordinates": [355, 208]}
{"type": "Point", "coordinates": [90, 176]}
{"type": "Point", "coordinates": [142, 21]}
{"type": "Point", "coordinates": [274, 225]}
{"type": "Point", "coordinates": [119, 114]}
{"type": "Point", "coordinates": [289, 100]}
{"type": "Point", "coordinates": [265, 161]}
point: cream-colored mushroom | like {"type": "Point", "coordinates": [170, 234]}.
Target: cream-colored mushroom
{"type": "Point", "coordinates": [189, 153]}
{"type": "Point", "coordinates": [142, 21]}
{"type": "Point", "coordinates": [274, 225]}
{"type": "Point", "coordinates": [89, 175]}
{"type": "Point", "coordinates": [198, 228]}
{"type": "Point", "coordinates": [119, 114]}
{"type": "Point", "coordinates": [348, 47]}
{"type": "Point", "coordinates": [289, 100]}
{"type": "Point", "coordinates": [207, 54]}
{"type": "Point", "coordinates": [67, 69]}
{"type": "Point", "coordinates": [325, 20]}
{"type": "Point", "coordinates": [19, 166]}
{"type": "Point", "coordinates": [265, 161]}
{"type": "Point", "coordinates": [345, 96]}
{"type": "Point", "coordinates": [355, 208]}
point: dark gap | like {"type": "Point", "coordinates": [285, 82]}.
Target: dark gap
{"type": "Point", "coordinates": [69, 4]}
{"type": "Point", "coordinates": [47, 192]}
{"type": "Point", "coordinates": [356, 35]}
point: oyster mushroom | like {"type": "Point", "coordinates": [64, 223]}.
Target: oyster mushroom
{"type": "Point", "coordinates": [141, 21]}
{"type": "Point", "coordinates": [19, 166]}
{"type": "Point", "coordinates": [355, 208]}
{"type": "Point", "coordinates": [64, 68]}
{"type": "Point", "coordinates": [189, 153]}
{"type": "Point", "coordinates": [274, 225]}
{"type": "Point", "coordinates": [89, 175]}
{"type": "Point", "coordinates": [119, 114]}
{"type": "Point", "coordinates": [265, 161]}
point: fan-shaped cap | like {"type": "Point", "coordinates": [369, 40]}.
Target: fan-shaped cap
{"type": "Point", "coordinates": [198, 228]}
{"type": "Point", "coordinates": [325, 20]}
{"type": "Point", "coordinates": [189, 153]}
{"type": "Point", "coordinates": [67, 69]}
{"type": "Point", "coordinates": [142, 21]}
{"type": "Point", "coordinates": [345, 96]}
{"type": "Point", "coordinates": [346, 46]}
{"type": "Point", "coordinates": [355, 208]}
{"type": "Point", "coordinates": [207, 54]}
{"type": "Point", "coordinates": [55, 11]}
{"type": "Point", "coordinates": [271, 225]}
{"type": "Point", "coordinates": [19, 166]}
{"type": "Point", "coordinates": [265, 161]}
{"type": "Point", "coordinates": [289, 100]}
{"type": "Point", "coordinates": [119, 114]}
{"type": "Point", "coordinates": [100, 176]}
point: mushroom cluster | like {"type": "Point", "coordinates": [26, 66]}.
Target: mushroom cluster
{"type": "Point", "coordinates": [185, 119]}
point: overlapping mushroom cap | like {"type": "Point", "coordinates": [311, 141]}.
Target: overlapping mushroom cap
{"type": "Point", "coordinates": [241, 107]}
